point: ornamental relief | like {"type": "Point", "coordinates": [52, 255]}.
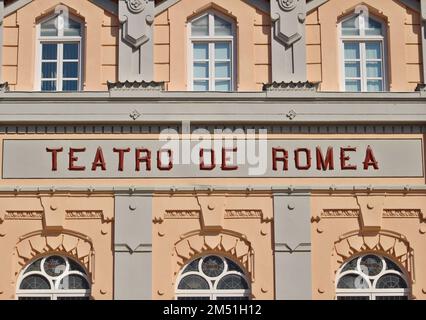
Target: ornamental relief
{"type": "Point", "coordinates": [182, 214]}
{"type": "Point", "coordinates": [136, 6]}
{"type": "Point", "coordinates": [387, 213]}
{"type": "Point", "coordinates": [83, 214]}
{"type": "Point", "coordinates": [287, 5]}
{"type": "Point", "coordinates": [23, 215]}
{"type": "Point", "coordinates": [243, 214]}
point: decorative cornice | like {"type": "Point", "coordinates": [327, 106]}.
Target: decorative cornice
{"type": "Point", "coordinates": [340, 213]}
{"type": "Point", "coordinates": [23, 215]}
{"type": "Point", "coordinates": [83, 214]}
{"type": "Point", "coordinates": [402, 213]}
{"type": "Point", "coordinates": [182, 214]}
{"type": "Point", "coordinates": [243, 214]}
{"type": "Point", "coordinates": [135, 86]}
{"type": "Point", "coordinates": [291, 86]}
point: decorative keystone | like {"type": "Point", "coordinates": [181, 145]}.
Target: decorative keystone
{"type": "Point", "coordinates": [212, 212]}
{"type": "Point", "coordinates": [371, 212]}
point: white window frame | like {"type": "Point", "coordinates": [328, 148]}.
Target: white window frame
{"type": "Point", "coordinates": [372, 292]}
{"type": "Point", "coordinates": [54, 293]}
{"type": "Point", "coordinates": [60, 40]}
{"type": "Point", "coordinates": [211, 39]}
{"type": "Point", "coordinates": [213, 293]}
{"type": "Point", "coordinates": [362, 39]}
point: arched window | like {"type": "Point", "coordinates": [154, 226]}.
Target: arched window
{"type": "Point", "coordinates": [211, 53]}
{"type": "Point", "coordinates": [212, 278]}
{"type": "Point", "coordinates": [59, 54]}
{"type": "Point", "coordinates": [371, 277]}
{"type": "Point", "coordinates": [363, 47]}
{"type": "Point", "coordinates": [53, 278]}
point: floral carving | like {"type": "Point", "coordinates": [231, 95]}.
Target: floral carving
{"type": "Point", "coordinates": [243, 214]}
{"type": "Point", "coordinates": [182, 214]}
{"type": "Point", "coordinates": [84, 214]}
{"type": "Point", "coordinates": [23, 215]}
{"type": "Point", "coordinates": [402, 213]}
{"type": "Point", "coordinates": [340, 213]}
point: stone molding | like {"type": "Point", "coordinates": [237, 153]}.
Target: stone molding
{"type": "Point", "coordinates": [182, 214]}
{"type": "Point", "coordinates": [386, 213]}
{"type": "Point", "coordinates": [83, 214]}
{"type": "Point", "coordinates": [243, 214]}
{"type": "Point", "coordinates": [23, 215]}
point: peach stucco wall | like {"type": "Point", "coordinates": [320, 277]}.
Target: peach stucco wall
{"type": "Point", "coordinates": [253, 43]}
{"type": "Point", "coordinates": [207, 227]}
{"type": "Point", "coordinates": [99, 48]}
{"type": "Point", "coordinates": [403, 41]}
{"type": "Point", "coordinates": [400, 235]}
{"type": "Point", "coordinates": [78, 226]}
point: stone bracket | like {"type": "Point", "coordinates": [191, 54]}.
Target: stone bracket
{"type": "Point", "coordinates": [54, 212]}
{"type": "Point", "coordinates": [371, 208]}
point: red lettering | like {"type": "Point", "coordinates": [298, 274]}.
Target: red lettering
{"type": "Point", "coordinates": [283, 158]}
{"type": "Point", "coordinates": [297, 152]}
{"type": "Point", "coordinates": [328, 162]}
{"type": "Point", "coordinates": [73, 159]}
{"type": "Point", "coordinates": [99, 160]}
{"type": "Point", "coordinates": [121, 153]}
{"type": "Point", "coordinates": [212, 165]}
{"type": "Point", "coordinates": [146, 159]}
{"type": "Point", "coordinates": [370, 160]}
{"type": "Point", "coordinates": [55, 157]}
{"type": "Point", "coordinates": [160, 165]}
{"type": "Point", "coordinates": [225, 158]}
{"type": "Point", "coordinates": [344, 158]}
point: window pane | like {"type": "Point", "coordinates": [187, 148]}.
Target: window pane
{"type": "Point", "coordinates": [232, 266]}
{"type": "Point", "coordinates": [193, 266]}
{"type": "Point", "coordinates": [70, 70]}
{"type": "Point", "coordinates": [351, 50]}
{"type": "Point", "coordinates": [49, 51]}
{"type": "Point", "coordinates": [374, 85]}
{"type": "Point", "coordinates": [48, 28]}
{"type": "Point", "coordinates": [353, 85]}
{"type": "Point", "coordinates": [373, 50]}
{"type": "Point", "coordinates": [72, 28]}
{"type": "Point", "coordinates": [34, 298]}
{"type": "Point", "coordinates": [200, 27]}
{"type": "Point", "coordinates": [201, 51]}
{"type": "Point", "coordinates": [371, 265]}
{"type": "Point", "coordinates": [222, 27]}
{"type": "Point", "coordinates": [373, 28]}
{"type": "Point", "coordinates": [232, 282]}
{"type": "Point", "coordinates": [48, 86]}
{"type": "Point", "coordinates": [391, 297]}
{"type": "Point", "coordinates": [223, 85]}
{"type": "Point", "coordinates": [70, 85]}
{"type": "Point", "coordinates": [54, 266]}
{"type": "Point", "coordinates": [222, 51]}
{"type": "Point", "coordinates": [193, 298]}
{"type": "Point", "coordinates": [350, 27]}
{"type": "Point", "coordinates": [352, 70]}
{"type": "Point", "coordinates": [35, 266]}
{"type": "Point", "coordinates": [351, 265]}
{"type": "Point", "coordinates": [391, 281]}
{"type": "Point", "coordinates": [48, 70]}
{"type": "Point", "coordinates": [70, 51]}
{"type": "Point", "coordinates": [193, 282]}
{"type": "Point", "coordinates": [374, 69]}
{"type": "Point", "coordinates": [35, 282]}
{"type": "Point", "coordinates": [74, 266]}
{"type": "Point", "coordinates": [352, 281]}
{"type": "Point", "coordinates": [223, 70]}
{"type": "Point", "coordinates": [201, 85]}
{"type": "Point", "coordinates": [212, 266]}
{"type": "Point", "coordinates": [233, 298]}
{"type": "Point", "coordinates": [74, 282]}
{"type": "Point", "coordinates": [201, 70]}
{"type": "Point", "coordinates": [73, 298]}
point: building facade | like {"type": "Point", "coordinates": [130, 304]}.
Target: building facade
{"type": "Point", "coordinates": [212, 149]}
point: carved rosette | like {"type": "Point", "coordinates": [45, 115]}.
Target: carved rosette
{"type": "Point", "coordinates": [136, 6]}
{"type": "Point", "coordinates": [287, 5]}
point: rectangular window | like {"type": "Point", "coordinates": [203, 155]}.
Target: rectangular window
{"type": "Point", "coordinates": [363, 66]}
